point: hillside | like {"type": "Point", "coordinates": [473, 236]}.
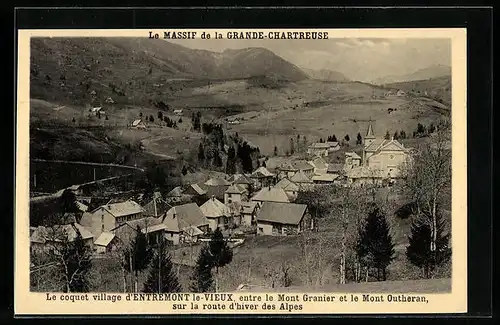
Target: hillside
{"type": "Point", "coordinates": [438, 89]}
{"type": "Point", "coordinates": [431, 72]}
{"type": "Point", "coordinates": [325, 74]}
{"type": "Point", "coordinates": [135, 70]}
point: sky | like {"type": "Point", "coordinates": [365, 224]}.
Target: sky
{"type": "Point", "coordinates": [362, 59]}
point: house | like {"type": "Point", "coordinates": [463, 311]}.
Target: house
{"type": "Point", "coordinates": [263, 176]}
{"type": "Point", "coordinates": [195, 190]}
{"type": "Point", "coordinates": [152, 227]}
{"type": "Point", "coordinates": [400, 93]}
{"type": "Point", "coordinates": [156, 207]}
{"type": "Point", "coordinates": [270, 194]}
{"type": "Point", "coordinates": [44, 239]}
{"type": "Point", "coordinates": [185, 223]}
{"type": "Point", "coordinates": [82, 207]}
{"type": "Point", "coordinates": [235, 211]}
{"type": "Point", "coordinates": [109, 216]}
{"type": "Point", "coordinates": [291, 189]}
{"type": "Point", "coordinates": [109, 100]}
{"type": "Point", "coordinates": [320, 165]}
{"type": "Point", "coordinates": [335, 169]}
{"type": "Point", "coordinates": [325, 179]}
{"type": "Point", "coordinates": [352, 160]}
{"type": "Point", "coordinates": [362, 175]}
{"type": "Point", "coordinates": [289, 168]}
{"type": "Point", "coordinates": [278, 219]}
{"type": "Point", "coordinates": [333, 146]}
{"type": "Point", "coordinates": [235, 193]}
{"type": "Point", "coordinates": [248, 213]}
{"type": "Point", "coordinates": [178, 112]}
{"type": "Point", "coordinates": [107, 242]}
{"type": "Point", "coordinates": [301, 178]}
{"type": "Point", "coordinates": [385, 156]}
{"type": "Point", "coordinates": [138, 124]}
{"type": "Point", "coordinates": [217, 213]}
{"type": "Point", "coordinates": [242, 180]}
{"type": "Point", "coordinates": [216, 181]}
{"type": "Point", "coordinates": [176, 195]}
{"type": "Point", "coordinates": [318, 149]}
{"type": "Point", "coordinates": [96, 110]}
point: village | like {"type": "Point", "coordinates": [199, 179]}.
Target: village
{"type": "Point", "coordinates": [261, 203]}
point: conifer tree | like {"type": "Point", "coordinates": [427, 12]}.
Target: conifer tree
{"type": "Point", "coordinates": [138, 256]}
{"type": "Point", "coordinates": [419, 252]}
{"type": "Point", "coordinates": [161, 278]}
{"type": "Point", "coordinates": [334, 138]}
{"type": "Point", "coordinates": [292, 148]}
{"type": "Point", "coordinates": [231, 161]}
{"type": "Point", "coordinates": [396, 136]}
{"type": "Point", "coordinates": [387, 135]}
{"type": "Point", "coordinates": [201, 153]}
{"type": "Point", "coordinates": [346, 138]}
{"type": "Point", "coordinates": [275, 151]}
{"type": "Point", "coordinates": [359, 139]}
{"type": "Point", "coordinates": [221, 254]}
{"type": "Point", "coordinates": [375, 246]}
{"type": "Point", "coordinates": [201, 279]}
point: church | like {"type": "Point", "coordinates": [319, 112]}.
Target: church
{"type": "Point", "coordinates": [381, 159]}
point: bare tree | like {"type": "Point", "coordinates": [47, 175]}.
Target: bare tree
{"type": "Point", "coordinates": [429, 179]}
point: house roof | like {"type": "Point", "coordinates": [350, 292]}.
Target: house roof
{"type": "Point", "coordinates": [236, 189]}
{"type": "Point", "coordinates": [214, 208]}
{"type": "Point", "coordinates": [136, 122]}
{"type": "Point", "coordinates": [193, 231]}
{"type": "Point", "coordinates": [241, 179]}
{"type": "Point", "coordinates": [81, 206]}
{"type": "Point", "coordinates": [271, 194]}
{"type": "Point", "coordinates": [187, 215]}
{"type": "Point", "coordinates": [375, 144]}
{"type": "Point", "coordinates": [332, 144]}
{"type": "Point", "coordinates": [96, 109]}
{"type": "Point", "coordinates": [147, 224]}
{"type": "Point", "coordinates": [352, 155]}
{"type": "Point", "coordinates": [177, 191]}
{"type": "Point", "coordinates": [335, 168]}
{"type": "Point", "coordinates": [43, 234]}
{"type": "Point", "coordinates": [197, 189]}
{"type": "Point", "coordinates": [156, 207]}
{"type": "Point", "coordinates": [364, 172]}
{"type": "Point", "coordinates": [300, 177]}
{"type": "Point", "coordinates": [296, 165]}
{"type": "Point", "coordinates": [262, 172]}
{"type": "Point", "coordinates": [215, 181]}
{"type": "Point", "coordinates": [319, 145]}
{"type": "Point", "coordinates": [248, 207]}
{"type": "Point", "coordinates": [287, 185]}
{"type": "Point", "coordinates": [123, 208]}
{"type": "Point", "coordinates": [215, 191]}
{"type": "Point", "coordinates": [104, 239]}
{"type": "Point", "coordinates": [319, 163]}
{"type": "Point", "coordinates": [324, 177]}
{"type": "Point", "coordinates": [235, 207]}
{"type": "Point", "coordinates": [284, 213]}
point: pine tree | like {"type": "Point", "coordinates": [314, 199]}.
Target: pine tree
{"type": "Point", "coordinates": [396, 136]}
{"type": "Point", "coordinates": [292, 149]}
{"type": "Point", "coordinates": [220, 252]}
{"type": "Point", "coordinates": [231, 161]}
{"type": "Point", "coordinates": [359, 139]}
{"type": "Point", "coordinates": [402, 134]}
{"type": "Point", "coordinates": [375, 246]}
{"type": "Point", "coordinates": [184, 170]}
{"type": "Point", "coordinates": [201, 279]}
{"type": "Point", "coordinates": [346, 138]}
{"type": "Point", "coordinates": [160, 115]}
{"type": "Point", "coordinates": [275, 151]}
{"type": "Point", "coordinates": [138, 256]}
{"type": "Point", "coordinates": [387, 135]}
{"type": "Point", "coordinates": [334, 138]}
{"type": "Point", "coordinates": [419, 252]}
{"type": "Point", "coordinates": [161, 278]}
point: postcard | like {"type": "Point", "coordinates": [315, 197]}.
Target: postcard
{"type": "Point", "coordinates": [219, 171]}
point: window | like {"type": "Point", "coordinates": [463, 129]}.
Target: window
{"type": "Point", "coordinates": [391, 156]}
{"type": "Point", "coordinates": [261, 229]}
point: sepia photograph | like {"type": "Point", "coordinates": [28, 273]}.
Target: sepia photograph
{"type": "Point", "coordinates": [239, 165]}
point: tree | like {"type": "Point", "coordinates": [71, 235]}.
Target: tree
{"type": "Point", "coordinates": [231, 161]}
{"type": "Point", "coordinates": [73, 260]}
{"type": "Point", "coordinates": [107, 118]}
{"type": "Point", "coordinates": [431, 128]}
{"type": "Point", "coordinates": [220, 252]}
{"type": "Point", "coordinates": [428, 181]}
{"type": "Point", "coordinates": [184, 170]}
{"type": "Point", "coordinates": [74, 120]}
{"type": "Point", "coordinates": [359, 139]}
{"type": "Point", "coordinates": [160, 115]}
{"type": "Point", "coordinates": [396, 136]}
{"type": "Point", "coordinates": [375, 246]}
{"type": "Point", "coordinates": [161, 278]}
{"type": "Point", "coordinates": [402, 134]}
{"type": "Point", "coordinates": [138, 255]}
{"type": "Point", "coordinates": [151, 118]}
{"type": "Point", "coordinates": [346, 138]}
{"type": "Point", "coordinates": [264, 164]}
{"type": "Point", "coordinates": [275, 151]}
{"type": "Point", "coordinates": [334, 138]}
{"type": "Point", "coordinates": [217, 162]}
{"type": "Point", "coordinates": [140, 114]}
{"type": "Point", "coordinates": [201, 279]}
{"type": "Point", "coordinates": [292, 149]}
{"type": "Point", "coordinates": [180, 120]}
{"type": "Point", "coordinates": [419, 252]}
{"type": "Point", "coordinates": [201, 153]}
{"type": "Point", "coordinates": [317, 201]}
{"type": "Point", "coordinates": [387, 135]}
{"type": "Point", "coordinates": [304, 142]}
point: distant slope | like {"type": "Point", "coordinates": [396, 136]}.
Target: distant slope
{"type": "Point", "coordinates": [433, 71]}
{"type": "Point", "coordinates": [438, 89]}
{"type": "Point", "coordinates": [325, 74]}
{"type": "Point", "coordinates": [135, 69]}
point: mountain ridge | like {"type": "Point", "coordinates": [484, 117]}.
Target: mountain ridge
{"type": "Point", "coordinates": [432, 71]}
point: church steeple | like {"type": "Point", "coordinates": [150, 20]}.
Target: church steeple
{"type": "Point", "coordinates": [369, 132]}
